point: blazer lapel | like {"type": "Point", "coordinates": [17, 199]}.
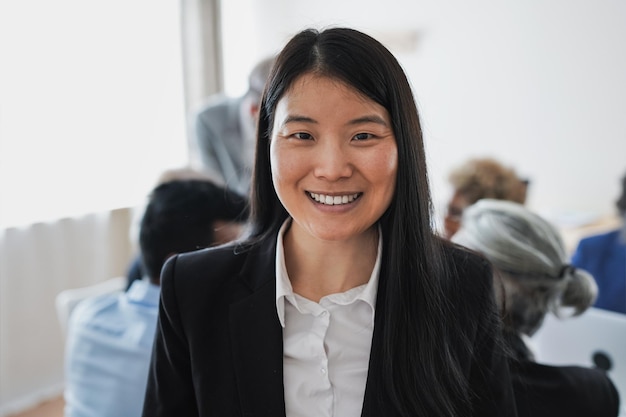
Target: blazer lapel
{"type": "Point", "coordinates": [375, 402]}
{"type": "Point", "coordinates": [257, 339]}
{"type": "Point", "coordinates": [371, 400]}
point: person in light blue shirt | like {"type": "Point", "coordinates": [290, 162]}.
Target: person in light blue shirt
{"type": "Point", "coordinates": [110, 337]}
{"type": "Point", "coordinates": [604, 255]}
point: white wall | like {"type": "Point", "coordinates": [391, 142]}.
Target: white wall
{"type": "Point", "coordinates": [540, 85]}
{"type": "Point", "coordinates": [91, 105]}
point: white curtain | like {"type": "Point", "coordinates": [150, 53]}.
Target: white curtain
{"type": "Point", "coordinates": [39, 260]}
{"type": "Point", "coordinates": [36, 263]}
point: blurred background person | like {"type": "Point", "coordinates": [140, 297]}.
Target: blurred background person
{"type": "Point", "coordinates": [225, 131]}
{"type": "Point", "coordinates": [532, 279]}
{"type": "Point", "coordinates": [110, 337]}
{"type": "Point", "coordinates": [135, 270]}
{"type": "Point", "coordinates": [480, 178]}
{"type": "Point", "coordinates": [604, 255]}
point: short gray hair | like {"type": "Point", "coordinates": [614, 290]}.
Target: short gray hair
{"type": "Point", "coordinates": [258, 76]}
{"type": "Point", "coordinates": [528, 253]}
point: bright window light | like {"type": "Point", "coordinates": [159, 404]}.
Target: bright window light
{"type": "Point", "coordinates": [239, 45]}
{"type": "Point", "coordinates": [91, 105]}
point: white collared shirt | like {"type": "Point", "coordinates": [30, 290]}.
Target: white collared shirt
{"type": "Point", "coordinates": [326, 345]}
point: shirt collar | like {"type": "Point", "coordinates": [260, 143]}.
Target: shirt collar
{"type": "Point", "coordinates": [284, 288]}
{"type": "Point", "coordinates": [143, 292]}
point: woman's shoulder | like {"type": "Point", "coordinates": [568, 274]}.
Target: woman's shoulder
{"type": "Point", "coordinates": [571, 375]}
{"type": "Point", "coordinates": [231, 264]}
{"type": "Point", "coordinates": [214, 258]}
{"type": "Point", "coordinates": [587, 391]}
{"type": "Point", "coordinates": [463, 262]}
{"type": "Point", "coordinates": [600, 241]}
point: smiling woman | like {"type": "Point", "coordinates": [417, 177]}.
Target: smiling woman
{"type": "Point", "coordinates": [331, 142]}
{"type": "Point", "coordinates": [341, 301]}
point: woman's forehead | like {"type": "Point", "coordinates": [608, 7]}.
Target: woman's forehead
{"type": "Point", "coordinates": [313, 77]}
{"type": "Point", "coordinates": [319, 98]}
{"type": "Point", "coordinates": [311, 83]}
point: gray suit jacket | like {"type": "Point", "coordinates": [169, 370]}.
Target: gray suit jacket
{"type": "Point", "coordinates": [220, 140]}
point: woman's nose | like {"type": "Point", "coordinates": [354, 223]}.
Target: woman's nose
{"type": "Point", "coordinates": [332, 162]}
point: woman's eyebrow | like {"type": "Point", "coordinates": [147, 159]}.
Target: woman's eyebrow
{"type": "Point", "coordinates": [295, 118]}
{"type": "Point", "coordinates": [369, 119]}
{"type": "Point", "coordinates": [298, 118]}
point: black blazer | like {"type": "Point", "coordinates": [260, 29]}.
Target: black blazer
{"type": "Point", "coordinates": [568, 391]}
{"type": "Point", "coordinates": [219, 349]}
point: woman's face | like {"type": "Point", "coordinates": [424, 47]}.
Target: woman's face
{"type": "Point", "coordinates": [333, 158]}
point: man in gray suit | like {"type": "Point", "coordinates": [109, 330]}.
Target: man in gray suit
{"type": "Point", "coordinates": [225, 131]}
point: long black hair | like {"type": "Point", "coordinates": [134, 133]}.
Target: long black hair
{"type": "Point", "coordinates": [418, 370]}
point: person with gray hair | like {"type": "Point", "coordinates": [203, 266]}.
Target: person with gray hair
{"type": "Point", "coordinates": [225, 134]}
{"type": "Point", "coordinates": [533, 278]}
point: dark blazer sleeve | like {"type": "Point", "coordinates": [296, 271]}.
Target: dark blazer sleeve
{"type": "Point", "coordinates": [170, 391]}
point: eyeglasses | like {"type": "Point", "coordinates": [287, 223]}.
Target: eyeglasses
{"type": "Point", "coordinates": [454, 214]}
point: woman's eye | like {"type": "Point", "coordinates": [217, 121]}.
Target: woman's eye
{"type": "Point", "coordinates": [362, 136]}
{"type": "Point", "coordinates": [302, 135]}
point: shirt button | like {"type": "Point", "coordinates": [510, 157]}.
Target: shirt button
{"type": "Point", "coordinates": [323, 371]}
{"type": "Point", "coordinates": [324, 313]}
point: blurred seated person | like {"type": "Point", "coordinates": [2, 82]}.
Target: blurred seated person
{"type": "Point", "coordinates": [480, 178]}
{"type": "Point", "coordinates": [221, 234]}
{"type": "Point", "coordinates": [110, 337]}
{"type": "Point", "coordinates": [531, 279]}
{"type": "Point", "coordinates": [225, 130]}
{"type": "Point", "coordinates": [604, 255]}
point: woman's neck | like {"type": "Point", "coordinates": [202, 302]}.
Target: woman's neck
{"type": "Point", "coordinates": [318, 268]}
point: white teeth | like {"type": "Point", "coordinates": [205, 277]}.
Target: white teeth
{"type": "Point", "coordinates": [334, 200]}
